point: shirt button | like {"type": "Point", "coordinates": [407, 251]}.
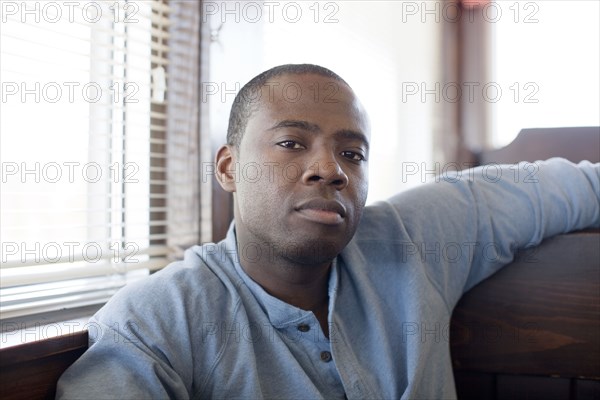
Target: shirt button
{"type": "Point", "coordinates": [303, 328]}
{"type": "Point", "coordinates": [325, 356]}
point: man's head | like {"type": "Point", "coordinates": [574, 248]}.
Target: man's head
{"type": "Point", "coordinates": [248, 98]}
{"type": "Point", "coordinates": [296, 162]}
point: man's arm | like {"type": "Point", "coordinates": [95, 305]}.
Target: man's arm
{"type": "Point", "coordinates": [139, 344]}
{"type": "Point", "coordinates": [530, 202]}
{"type": "Point", "coordinates": [118, 365]}
{"type": "Point", "coordinates": [490, 212]}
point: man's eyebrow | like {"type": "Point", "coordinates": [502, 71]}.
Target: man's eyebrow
{"type": "Point", "coordinates": [291, 123]}
{"type": "Point", "coordinates": [314, 128]}
{"type": "Point", "coordinates": [353, 135]}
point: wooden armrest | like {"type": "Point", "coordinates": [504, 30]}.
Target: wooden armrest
{"type": "Point", "coordinates": [31, 370]}
{"type": "Point", "coordinates": [538, 316]}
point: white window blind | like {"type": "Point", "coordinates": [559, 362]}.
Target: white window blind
{"type": "Point", "coordinates": [86, 201]}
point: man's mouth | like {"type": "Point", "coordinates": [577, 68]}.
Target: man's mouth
{"type": "Point", "coordinates": [328, 212]}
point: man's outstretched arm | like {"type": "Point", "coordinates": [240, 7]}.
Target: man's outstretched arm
{"type": "Point", "coordinates": [490, 212]}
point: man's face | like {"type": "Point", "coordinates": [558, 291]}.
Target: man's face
{"type": "Point", "coordinates": [302, 174]}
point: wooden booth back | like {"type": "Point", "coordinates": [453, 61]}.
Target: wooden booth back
{"type": "Point", "coordinates": [532, 330]}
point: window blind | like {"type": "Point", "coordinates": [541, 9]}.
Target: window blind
{"type": "Point", "coordinates": [86, 199]}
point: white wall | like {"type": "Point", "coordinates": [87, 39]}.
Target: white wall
{"type": "Point", "coordinates": [550, 51]}
{"type": "Point", "coordinates": [368, 44]}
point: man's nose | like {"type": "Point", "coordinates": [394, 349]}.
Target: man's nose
{"type": "Point", "coordinates": [325, 169]}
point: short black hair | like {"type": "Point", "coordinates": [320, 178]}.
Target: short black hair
{"type": "Point", "coordinates": [245, 102]}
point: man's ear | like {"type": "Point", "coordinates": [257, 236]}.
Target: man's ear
{"type": "Point", "coordinates": [225, 161]}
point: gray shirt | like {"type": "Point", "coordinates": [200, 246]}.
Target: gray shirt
{"type": "Point", "coordinates": [202, 328]}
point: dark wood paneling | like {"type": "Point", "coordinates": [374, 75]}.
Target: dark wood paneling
{"type": "Point", "coordinates": [515, 387]}
{"type": "Point", "coordinates": [222, 211]}
{"type": "Point", "coordinates": [574, 144]}
{"type": "Point", "coordinates": [31, 370]}
{"type": "Point", "coordinates": [475, 385]}
{"type": "Point", "coordinates": [539, 315]}
{"type": "Point", "coordinates": [587, 390]}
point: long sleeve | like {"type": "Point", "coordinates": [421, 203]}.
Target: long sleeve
{"type": "Point", "coordinates": [119, 366]}
{"type": "Point", "coordinates": [139, 345]}
{"type": "Point", "coordinates": [476, 220]}
{"type": "Point", "coordinates": [543, 200]}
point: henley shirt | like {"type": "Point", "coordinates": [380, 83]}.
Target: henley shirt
{"type": "Point", "coordinates": [202, 328]}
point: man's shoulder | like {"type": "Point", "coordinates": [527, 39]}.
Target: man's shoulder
{"type": "Point", "coordinates": [192, 283]}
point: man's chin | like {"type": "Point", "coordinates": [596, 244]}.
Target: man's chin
{"type": "Point", "coordinates": [311, 251]}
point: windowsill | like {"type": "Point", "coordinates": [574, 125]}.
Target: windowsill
{"type": "Point", "coordinates": [43, 326]}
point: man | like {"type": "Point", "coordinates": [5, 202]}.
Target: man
{"type": "Point", "coordinates": [310, 294]}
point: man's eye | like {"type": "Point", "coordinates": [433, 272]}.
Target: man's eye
{"type": "Point", "coordinates": [352, 155]}
{"type": "Point", "coordinates": [290, 144]}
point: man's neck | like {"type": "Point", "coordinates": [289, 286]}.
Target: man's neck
{"type": "Point", "coordinates": [303, 286]}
